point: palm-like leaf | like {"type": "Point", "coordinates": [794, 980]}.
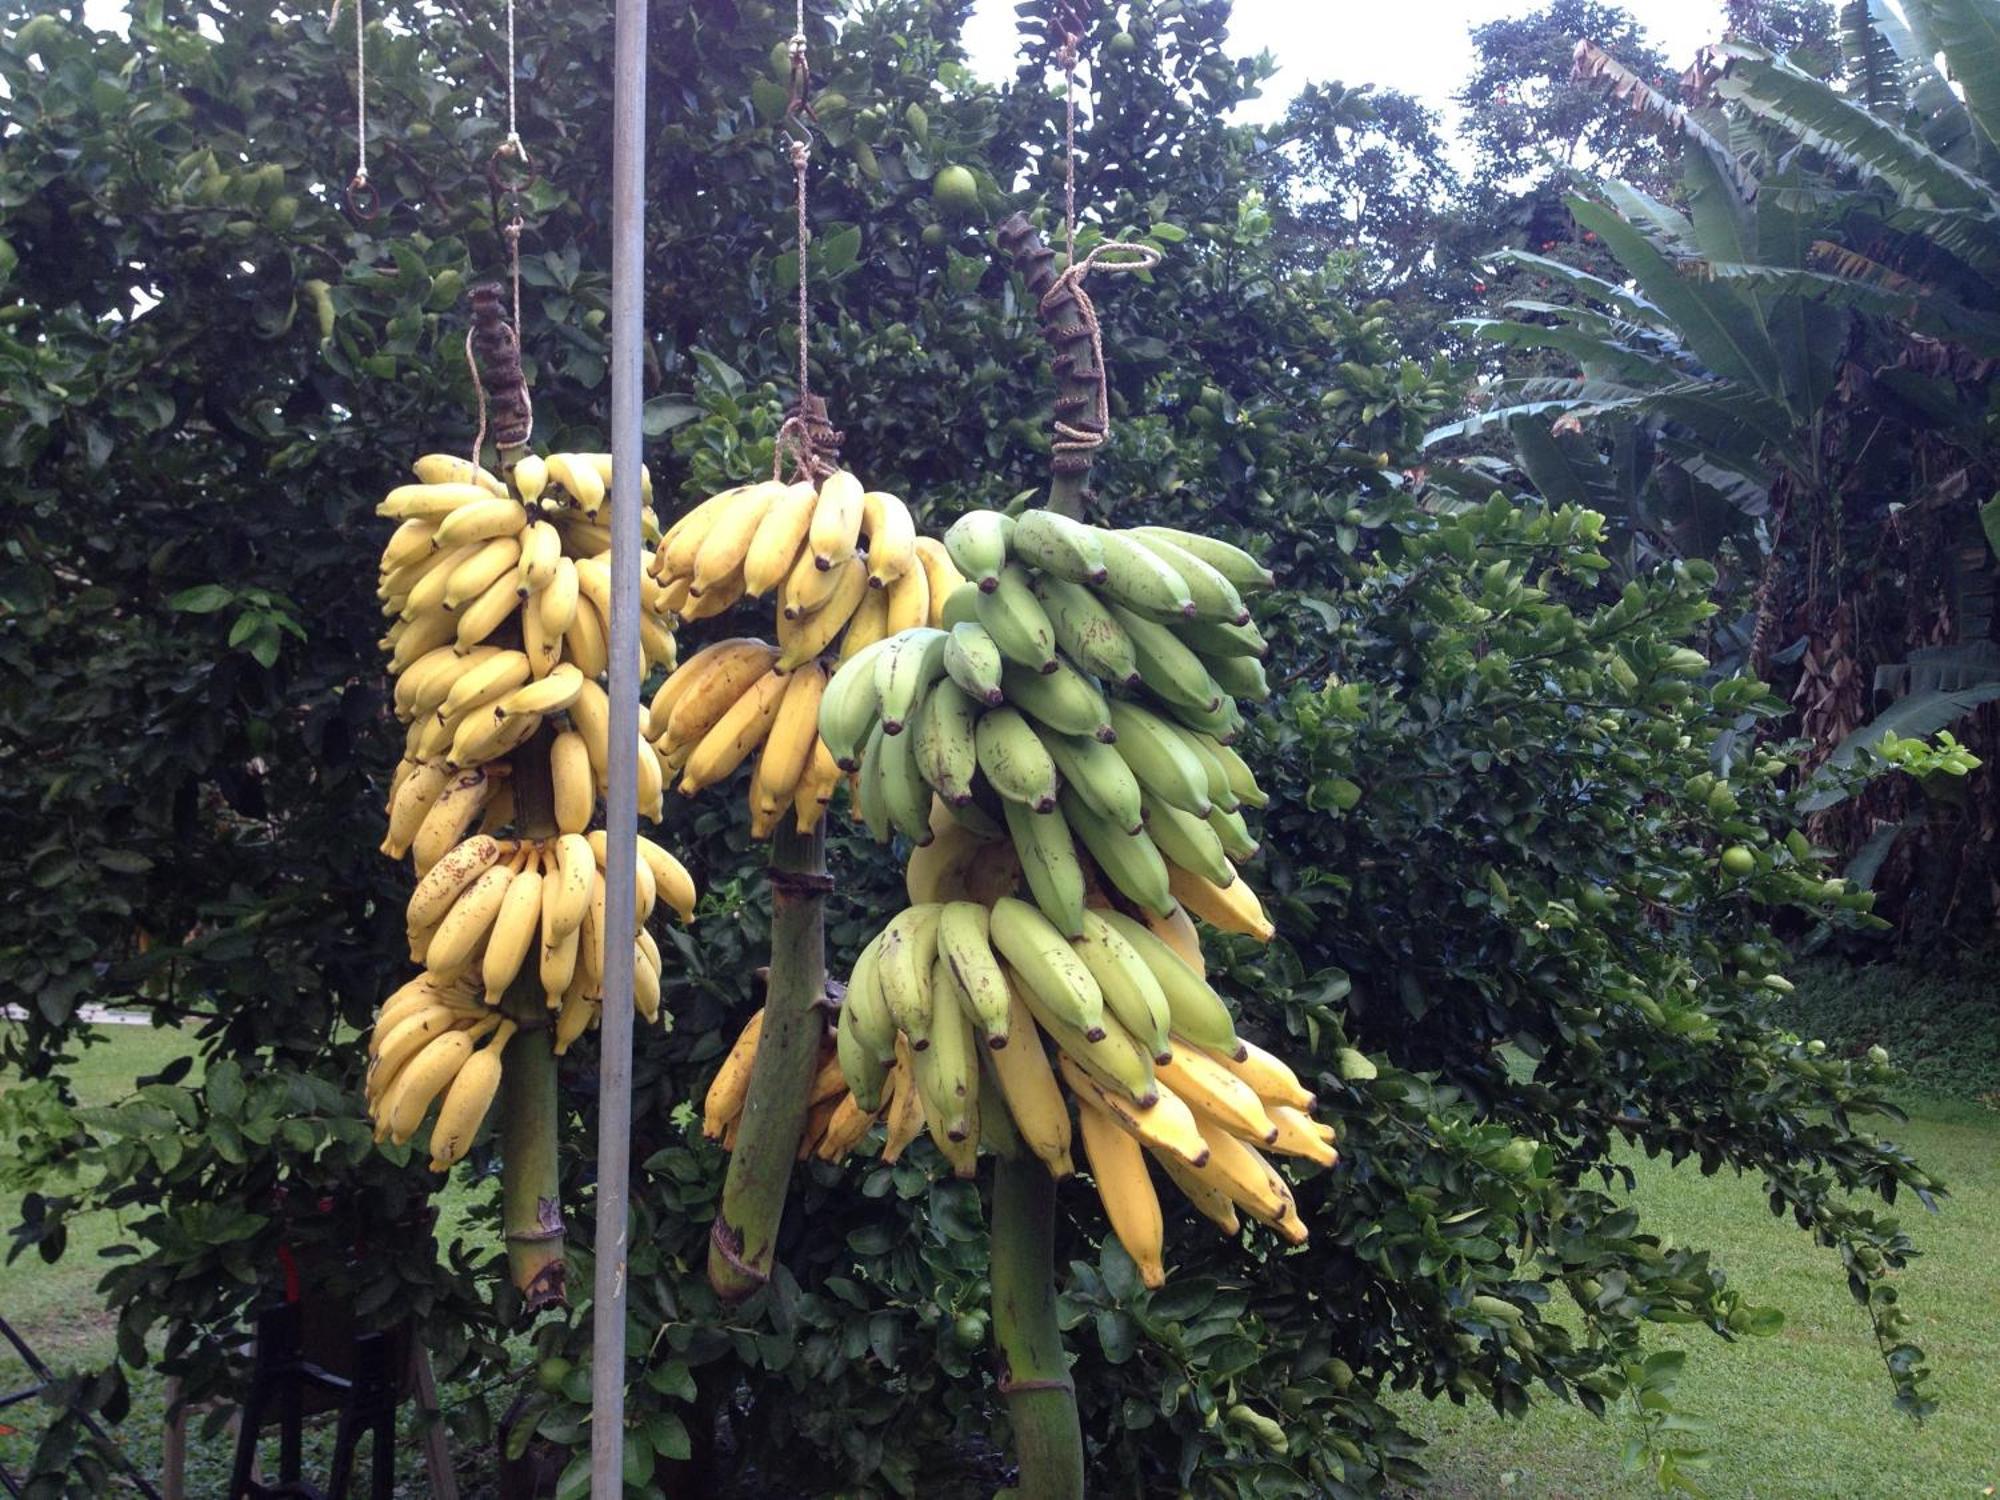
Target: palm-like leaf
{"type": "Point", "coordinates": [1924, 311]}
{"type": "Point", "coordinates": [1609, 293]}
{"type": "Point", "coordinates": [1968, 33]}
{"type": "Point", "coordinates": [1846, 132]}
{"type": "Point", "coordinates": [1873, 68]}
{"type": "Point", "coordinates": [1600, 356]}
{"type": "Point", "coordinates": [1592, 62]}
{"type": "Point", "coordinates": [1717, 323]}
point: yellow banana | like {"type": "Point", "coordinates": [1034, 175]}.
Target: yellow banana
{"type": "Point", "coordinates": [467, 1101]}
{"type": "Point", "coordinates": [468, 923]}
{"type": "Point", "coordinates": [486, 614]}
{"type": "Point", "coordinates": [1209, 1200]}
{"type": "Point", "coordinates": [414, 797]}
{"type": "Point", "coordinates": [1118, 1166]}
{"type": "Point", "coordinates": [806, 588]}
{"type": "Point", "coordinates": [439, 888]}
{"type": "Point", "coordinates": [789, 746]}
{"type": "Point", "coordinates": [573, 1020]}
{"type": "Point", "coordinates": [484, 679]}
{"type": "Point", "coordinates": [585, 641]}
{"type": "Point", "coordinates": [515, 928]}
{"type": "Point", "coordinates": [940, 572]}
{"type": "Point", "coordinates": [670, 878]}
{"type": "Point", "coordinates": [715, 683]}
{"type": "Point", "coordinates": [1274, 1082]}
{"type": "Point", "coordinates": [575, 791]}
{"type": "Point", "coordinates": [448, 468]}
{"type": "Point", "coordinates": [869, 625]}
{"type": "Point", "coordinates": [740, 730]}
{"type": "Point", "coordinates": [909, 602]}
{"type": "Point", "coordinates": [905, 1104]}
{"type": "Point", "coordinates": [1178, 933]}
{"type": "Point", "coordinates": [579, 477]}
{"type": "Point", "coordinates": [844, 1130]}
{"type": "Point", "coordinates": [1167, 1125]}
{"type": "Point", "coordinates": [557, 965]}
{"type": "Point", "coordinates": [1029, 1086]}
{"type": "Point", "coordinates": [541, 552]}
{"type": "Point", "coordinates": [799, 641]}
{"type": "Point", "coordinates": [1299, 1135]}
{"type": "Point", "coordinates": [836, 522]}
{"type": "Point", "coordinates": [591, 717]}
{"type": "Point", "coordinates": [409, 542]}
{"type": "Point", "coordinates": [816, 788]}
{"type": "Point", "coordinates": [531, 477]}
{"type": "Point", "coordinates": [727, 545]}
{"type": "Point", "coordinates": [892, 537]}
{"type": "Point", "coordinates": [1232, 908]}
{"type": "Point", "coordinates": [1215, 1093]}
{"type": "Point", "coordinates": [489, 561]}
{"type": "Point", "coordinates": [451, 814]}
{"type": "Point", "coordinates": [781, 533]}
{"type": "Point", "coordinates": [674, 557]}
{"type": "Point", "coordinates": [566, 900]}
{"type": "Point", "coordinates": [552, 694]}
{"type": "Point", "coordinates": [481, 521]}
{"type": "Point", "coordinates": [724, 1101]}
{"type": "Point", "coordinates": [425, 1077]}
{"type": "Point", "coordinates": [430, 501]}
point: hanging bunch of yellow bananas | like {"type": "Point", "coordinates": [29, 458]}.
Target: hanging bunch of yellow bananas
{"type": "Point", "coordinates": [499, 599]}
{"type": "Point", "coordinates": [1065, 734]}
{"type": "Point", "coordinates": [847, 570]}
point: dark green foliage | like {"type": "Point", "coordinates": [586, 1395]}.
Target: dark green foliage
{"type": "Point", "coordinates": [194, 743]}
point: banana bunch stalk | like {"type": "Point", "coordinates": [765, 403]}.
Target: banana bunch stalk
{"type": "Point", "coordinates": [500, 600]}
{"type": "Point", "coordinates": [846, 569]}
{"type": "Point", "coordinates": [1076, 701]}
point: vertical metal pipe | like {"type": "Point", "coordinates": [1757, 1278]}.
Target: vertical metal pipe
{"type": "Point", "coordinates": [621, 814]}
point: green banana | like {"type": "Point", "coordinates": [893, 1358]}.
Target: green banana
{"type": "Point", "coordinates": [973, 661]}
{"type": "Point", "coordinates": [1220, 792]}
{"type": "Point", "coordinates": [1019, 625]}
{"type": "Point", "coordinates": [1098, 775]}
{"type": "Point", "coordinates": [1059, 546]}
{"type": "Point", "coordinates": [1140, 580]}
{"type": "Point", "coordinates": [1114, 1059]}
{"type": "Point", "coordinates": [1197, 1011]}
{"type": "Point", "coordinates": [963, 944]}
{"type": "Point", "coordinates": [1239, 676]}
{"type": "Point", "coordinates": [1053, 978]}
{"type": "Point", "coordinates": [1131, 993]}
{"type": "Point", "coordinates": [961, 606]}
{"type": "Point", "coordinates": [1214, 638]}
{"type": "Point", "coordinates": [947, 1071]}
{"type": "Point", "coordinates": [906, 796]}
{"type": "Point", "coordinates": [906, 668]}
{"type": "Point", "coordinates": [1215, 597]}
{"type": "Point", "coordinates": [864, 1002]}
{"type": "Point", "coordinates": [1172, 672]}
{"type": "Point", "coordinates": [864, 1071]}
{"type": "Point", "coordinates": [945, 742]}
{"type": "Point", "coordinates": [1242, 780]}
{"type": "Point", "coordinates": [1224, 721]}
{"type": "Point", "coordinates": [1233, 563]}
{"type": "Point", "coordinates": [869, 804]}
{"type": "Point", "coordinates": [850, 706]}
{"type": "Point", "coordinates": [1237, 840]}
{"type": "Point", "coordinates": [1130, 861]}
{"type": "Point", "coordinates": [977, 542]}
{"type": "Point", "coordinates": [1014, 759]}
{"type": "Point", "coordinates": [1065, 700]}
{"type": "Point", "coordinates": [1164, 765]}
{"type": "Point", "coordinates": [1086, 631]}
{"type": "Point", "coordinates": [1048, 858]}
{"type": "Point", "coordinates": [1189, 842]}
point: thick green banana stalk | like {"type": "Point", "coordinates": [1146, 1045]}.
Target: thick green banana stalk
{"type": "Point", "coordinates": [743, 1243]}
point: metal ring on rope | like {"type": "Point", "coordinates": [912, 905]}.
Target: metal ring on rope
{"type": "Point", "coordinates": [363, 202]}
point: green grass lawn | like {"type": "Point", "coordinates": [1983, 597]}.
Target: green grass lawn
{"type": "Point", "coordinates": [1803, 1414]}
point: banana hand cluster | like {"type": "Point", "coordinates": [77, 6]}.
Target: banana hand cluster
{"type": "Point", "coordinates": [847, 570]}
{"type": "Point", "coordinates": [1076, 701]}
{"type": "Point", "coordinates": [950, 1014]}
{"type": "Point", "coordinates": [501, 598]}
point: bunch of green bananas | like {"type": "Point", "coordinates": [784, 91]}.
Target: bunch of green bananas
{"type": "Point", "coordinates": [1076, 701]}
{"type": "Point", "coordinates": [847, 568]}
{"type": "Point", "coordinates": [501, 602]}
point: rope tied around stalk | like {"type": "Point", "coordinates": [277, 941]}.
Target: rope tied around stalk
{"type": "Point", "coordinates": [1076, 441]}
{"type": "Point", "coordinates": [805, 437]}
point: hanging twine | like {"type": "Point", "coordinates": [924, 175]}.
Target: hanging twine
{"type": "Point", "coordinates": [1111, 256]}
{"type": "Point", "coordinates": [518, 421]}
{"type": "Point", "coordinates": [362, 199]}
{"type": "Point", "coordinates": [799, 436]}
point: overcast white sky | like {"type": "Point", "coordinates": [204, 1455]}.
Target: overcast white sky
{"type": "Point", "coordinates": [1418, 46]}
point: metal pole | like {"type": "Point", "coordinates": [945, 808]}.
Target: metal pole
{"type": "Point", "coordinates": [621, 812]}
